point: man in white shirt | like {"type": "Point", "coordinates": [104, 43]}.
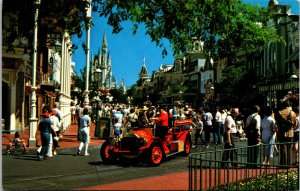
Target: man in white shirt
{"type": "Point", "coordinates": [223, 116]}
{"type": "Point", "coordinates": [217, 127]}
{"type": "Point", "coordinates": [253, 122]}
{"type": "Point", "coordinates": [207, 124]}
{"type": "Point", "coordinates": [230, 131]}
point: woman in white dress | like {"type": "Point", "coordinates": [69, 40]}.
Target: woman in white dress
{"type": "Point", "coordinates": [269, 129]}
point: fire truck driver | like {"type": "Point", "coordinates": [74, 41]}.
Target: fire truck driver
{"type": "Point", "coordinates": [162, 124]}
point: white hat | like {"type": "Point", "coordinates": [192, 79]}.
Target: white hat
{"type": "Point", "coordinates": [145, 108]}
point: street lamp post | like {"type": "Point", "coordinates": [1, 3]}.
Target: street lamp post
{"type": "Point", "coordinates": [33, 119]}
{"type": "Point", "coordinates": [86, 92]}
{"type": "Point", "coordinates": [76, 91]}
{"type": "Point", "coordinates": [98, 71]}
{"type": "Point", "coordinates": [293, 77]}
{"type": "Point", "coordinates": [212, 93]}
{"type": "Point", "coordinates": [180, 97]}
{"type": "Point", "coordinates": [212, 88]}
{"type": "Point", "coordinates": [128, 100]}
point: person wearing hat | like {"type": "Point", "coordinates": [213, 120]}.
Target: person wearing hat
{"type": "Point", "coordinates": [142, 117]}
{"type": "Point", "coordinates": [287, 122]}
{"type": "Point", "coordinates": [45, 127]}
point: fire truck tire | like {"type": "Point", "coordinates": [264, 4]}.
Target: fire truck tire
{"type": "Point", "coordinates": [106, 154]}
{"type": "Point", "coordinates": [155, 155]}
{"type": "Point", "coordinates": [187, 146]}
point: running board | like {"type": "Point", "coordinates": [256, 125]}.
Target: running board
{"type": "Point", "coordinates": [171, 154]}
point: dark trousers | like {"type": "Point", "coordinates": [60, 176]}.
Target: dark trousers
{"type": "Point", "coordinates": [217, 133]}
{"type": "Point", "coordinates": [252, 152]}
{"type": "Point", "coordinates": [161, 132]}
{"type": "Point", "coordinates": [229, 154]}
{"type": "Point", "coordinates": [222, 129]}
{"type": "Point", "coordinates": [197, 136]}
{"type": "Point", "coordinates": [207, 130]}
{"type": "Point", "coordinates": [45, 138]}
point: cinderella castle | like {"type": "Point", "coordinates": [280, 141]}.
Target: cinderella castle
{"type": "Point", "coordinates": [101, 69]}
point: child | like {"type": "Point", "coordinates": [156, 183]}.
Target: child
{"type": "Point", "coordinates": [117, 128]}
{"type": "Point", "coordinates": [17, 141]}
{"type": "Point", "coordinates": [199, 132]}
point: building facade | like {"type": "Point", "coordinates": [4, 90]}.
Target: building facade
{"type": "Point", "coordinates": [51, 75]}
{"type": "Point", "coordinates": [278, 65]}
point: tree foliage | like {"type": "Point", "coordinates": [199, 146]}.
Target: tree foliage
{"type": "Point", "coordinates": [223, 25]}
{"type": "Point", "coordinates": [118, 95]}
{"type": "Point", "coordinates": [54, 17]}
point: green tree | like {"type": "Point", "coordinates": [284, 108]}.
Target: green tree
{"type": "Point", "coordinates": [118, 95]}
{"type": "Point", "coordinates": [224, 26]}
{"type": "Point", "coordinates": [136, 95]}
{"type": "Point", "coordinates": [54, 17]}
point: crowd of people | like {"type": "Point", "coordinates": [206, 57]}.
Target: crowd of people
{"type": "Point", "coordinates": [224, 123]}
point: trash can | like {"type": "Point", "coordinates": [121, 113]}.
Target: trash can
{"type": "Point", "coordinates": [103, 128]}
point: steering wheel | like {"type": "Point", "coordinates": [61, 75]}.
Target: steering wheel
{"type": "Point", "coordinates": [143, 122]}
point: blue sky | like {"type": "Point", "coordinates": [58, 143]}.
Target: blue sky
{"type": "Point", "coordinates": [127, 50]}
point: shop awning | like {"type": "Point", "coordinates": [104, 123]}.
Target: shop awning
{"type": "Point", "coordinates": [43, 90]}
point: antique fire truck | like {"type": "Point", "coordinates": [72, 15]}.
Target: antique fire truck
{"type": "Point", "coordinates": [141, 143]}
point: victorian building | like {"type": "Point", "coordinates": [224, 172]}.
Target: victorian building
{"type": "Point", "coordinates": [277, 65]}
{"type": "Point", "coordinates": [33, 77]}
{"type": "Point", "coordinates": [144, 78]}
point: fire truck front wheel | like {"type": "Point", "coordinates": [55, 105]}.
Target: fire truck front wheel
{"type": "Point", "coordinates": [106, 153]}
{"type": "Point", "coordinates": [187, 146]}
{"type": "Point", "coordinates": [155, 155]}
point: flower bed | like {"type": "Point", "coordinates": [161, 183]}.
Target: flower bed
{"type": "Point", "coordinates": [284, 181]}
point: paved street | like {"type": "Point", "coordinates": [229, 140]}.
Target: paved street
{"type": "Point", "coordinates": [68, 171]}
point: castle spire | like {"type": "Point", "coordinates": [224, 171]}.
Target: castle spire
{"type": "Point", "coordinates": [104, 42]}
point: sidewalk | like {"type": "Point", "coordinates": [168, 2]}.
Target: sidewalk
{"type": "Point", "coordinates": [69, 139]}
